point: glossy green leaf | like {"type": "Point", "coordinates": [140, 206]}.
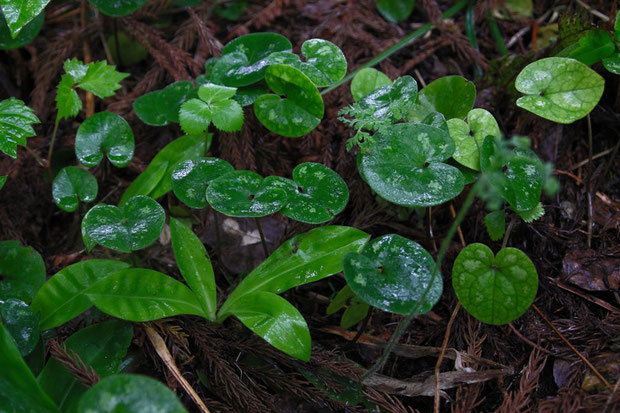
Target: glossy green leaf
{"type": "Point", "coordinates": [130, 51]}
{"type": "Point", "coordinates": [559, 89]}
{"type": "Point", "coordinates": [101, 79]}
{"type": "Point", "coordinates": [134, 226]}
{"type": "Point", "coordinates": [156, 180]}
{"type": "Point", "coordinates": [19, 391]}
{"type": "Point", "coordinates": [25, 36]}
{"type": "Point", "coordinates": [129, 393]}
{"type": "Point", "coordinates": [353, 314]}
{"type": "Point", "coordinates": [18, 13]}
{"type": "Point", "coordinates": [394, 274]}
{"type": "Point", "coordinates": [72, 185]}
{"type": "Point", "coordinates": [22, 271]}
{"type": "Point", "coordinates": [325, 63]}
{"type": "Point", "coordinates": [16, 120]}
{"type": "Point", "coordinates": [246, 96]}
{"type": "Point", "coordinates": [297, 114]}
{"type": "Point", "coordinates": [392, 101]}
{"type": "Point", "coordinates": [245, 194]}
{"type": "Point", "coordinates": [305, 258]}
{"type": "Point", "coordinates": [101, 346]}
{"type": "Point", "coordinates": [395, 10]}
{"type": "Point", "coordinates": [191, 178]}
{"type": "Point", "coordinates": [494, 289]}
{"type": "Point", "coordinates": [367, 81]}
{"type": "Point", "coordinates": [137, 294]}
{"type": "Point", "coordinates": [468, 137]}
{"type": "Point", "coordinates": [63, 296]}
{"type": "Point", "coordinates": [195, 266]}
{"type": "Point", "coordinates": [68, 103]}
{"type": "Point", "coordinates": [117, 8]}
{"type": "Point", "coordinates": [161, 107]}
{"type": "Point", "coordinates": [403, 164]}
{"type": "Point", "coordinates": [195, 116]}
{"type": "Point", "coordinates": [452, 96]}
{"type": "Point", "coordinates": [245, 59]}
{"type": "Point", "coordinates": [22, 323]}
{"type": "Point", "coordinates": [315, 195]}
{"type": "Point", "coordinates": [495, 223]}
{"type": "Point", "coordinates": [531, 215]}
{"type": "Point", "coordinates": [108, 133]}
{"type": "Point", "coordinates": [2, 180]}
{"type": "Point", "coordinates": [592, 48]}
{"type": "Point", "coordinates": [76, 69]}
{"type": "Point", "coordinates": [276, 321]}
{"type": "Point", "coordinates": [211, 93]}
{"type": "Point", "coordinates": [612, 63]}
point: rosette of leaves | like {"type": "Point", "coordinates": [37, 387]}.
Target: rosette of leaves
{"type": "Point", "coordinates": [72, 185]}
{"type": "Point", "coordinates": [161, 107]}
{"type": "Point", "coordinates": [191, 178]}
{"type": "Point", "coordinates": [104, 133]}
{"type": "Point", "coordinates": [215, 104]}
{"type": "Point", "coordinates": [16, 120]}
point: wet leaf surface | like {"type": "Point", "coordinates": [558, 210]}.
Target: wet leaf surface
{"type": "Point", "coordinates": [161, 107]}
{"type": "Point", "coordinates": [21, 323]}
{"type": "Point", "coordinates": [72, 185]}
{"type": "Point", "coordinates": [108, 133]}
{"type": "Point", "coordinates": [191, 178]}
{"type": "Point", "coordinates": [452, 96]}
{"type": "Point", "coordinates": [22, 271]}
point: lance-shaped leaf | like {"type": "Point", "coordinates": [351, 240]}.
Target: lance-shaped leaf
{"type": "Point", "coordinates": [560, 89]}
{"type": "Point", "coordinates": [72, 185]}
{"type": "Point", "coordinates": [129, 393]}
{"type": "Point", "coordinates": [25, 36]}
{"type": "Point", "coordinates": [101, 346]}
{"type": "Point", "coordinates": [395, 10]}
{"type": "Point", "coordinates": [134, 226]}
{"type": "Point", "coordinates": [18, 13]}
{"type": "Point", "coordinates": [63, 297]}
{"type": "Point", "coordinates": [468, 137]}
{"type": "Point", "coordinates": [156, 180]}
{"type": "Point", "coordinates": [191, 178]}
{"type": "Point", "coordinates": [325, 63]}
{"type": "Point", "coordinates": [245, 59]}
{"type": "Point", "coordinates": [394, 274]}
{"type": "Point", "coordinates": [367, 81]}
{"type": "Point", "coordinates": [215, 105]}
{"type": "Point", "coordinates": [315, 195]}
{"type": "Point", "coordinates": [305, 258]}
{"type": "Point", "coordinates": [276, 321]}
{"type": "Point", "coordinates": [117, 8]}
{"type": "Point", "coordinates": [19, 390]}
{"type": "Point", "coordinates": [108, 133]}
{"type": "Point", "coordinates": [16, 120]}
{"type": "Point", "coordinates": [452, 96]}
{"type": "Point", "coordinates": [22, 271]}
{"type": "Point", "coordinates": [137, 294]}
{"type": "Point", "coordinates": [22, 323]}
{"type": "Point", "coordinates": [298, 113]}
{"type": "Point", "coordinates": [494, 289]}
{"type": "Point", "coordinates": [245, 194]}
{"type": "Point", "coordinates": [403, 164]}
{"type": "Point", "coordinates": [160, 107]}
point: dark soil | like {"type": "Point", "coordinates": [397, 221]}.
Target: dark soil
{"type": "Point", "coordinates": [523, 366]}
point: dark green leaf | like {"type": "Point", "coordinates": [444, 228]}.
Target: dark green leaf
{"type": "Point", "coordinates": [18, 13]}
{"type": "Point", "coordinates": [231, 10]}
{"type": "Point", "coordinates": [2, 180]}
{"type": "Point", "coordinates": [395, 10]}
{"type": "Point", "coordinates": [468, 137]}
{"type": "Point", "coordinates": [191, 178]}
{"type": "Point", "coordinates": [21, 323]}
{"type": "Point", "coordinates": [367, 81]}
{"type": "Point", "coordinates": [22, 271]}
{"type": "Point", "coordinates": [25, 36]}
{"type": "Point", "coordinates": [131, 52]}
{"type": "Point", "coordinates": [16, 121]}
{"type": "Point", "coordinates": [593, 47]}
{"type": "Point", "coordinates": [72, 185]}
{"type": "Point", "coordinates": [392, 101]}
{"type": "Point", "coordinates": [108, 133]}
{"type": "Point", "coordinates": [353, 314]}
{"type": "Point", "coordinates": [161, 107]}
{"type": "Point", "coordinates": [117, 8]}
{"type": "Point", "coordinates": [63, 297]}
{"type": "Point", "coordinates": [394, 274]}
{"type": "Point", "coordinates": [452, 96]}
{"type": "Point", "coordinates": [134, 226]}
{"type": "Point", "coordinates": [495, 290]}
{"type": "Point", "coordinates": [101, 79]}
{"type": "Point", "coordinates": [496, 224]}
{"type": "Point", "coordinates": [340, 300]}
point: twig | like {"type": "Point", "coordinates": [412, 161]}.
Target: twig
{"type": "Point", "coordinates": [585, 161]}
{"type": "Point", "coordinates": [446, 337]}
{"type": "Point", "coordinates": [593, 11]}
{"type": "Point", "coordinates": [458, 230]}
{"type": "Point", "coordinates": [589, 183]}
{"type": "Point", "coordinates": [527, 340]}
{"type": "Point", "coordinates": [587, 297]}
{"type": "Point", "coordinates": [35, 156]}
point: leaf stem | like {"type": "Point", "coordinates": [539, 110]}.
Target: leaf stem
{"type": "Point", "coordinates": [402, 43]}
{"type": "Point", "coordinates": [442, 253]}
{"type": "Point", "coordinates": [496, 34]}
{"type": "Point", "coordinates": [37, 157]}
{"type": "Point", "coordinates": [508, 231]}
{"type": "Point", "coordinates": [262, 237]}
{"type": "Point", "coordinates": [51, 150]}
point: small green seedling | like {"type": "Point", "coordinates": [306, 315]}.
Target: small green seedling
{"type": "Point", "coordinates": [395, 11]}
{"type": "Point", "coordinates": [134, 226]}
{"type": "Point", "coordinates": [355, 309]}
{"type": "Point", "coordinates": [161, 107]}
{"type": "Point", "coordinates": [108, 133]}
{"type": "Point", "coordinates": [16, 120]}
{"type": "Point", "coordinates": [494, 289]}
{"type": "Point", "coordinates": [72, 185]}
{"type": "Point", "coordinates": [22, 269]}
{"type": "Point", "coordinates": [117, 8]}
{"type": "Point", "coordinates": [468, 137]}
{"type": "Point", "coordinates": [191, 178]}
{"type": "Point", "coordinates": [18, 13]}
{"type": "Point", "coordinates": [215, 105]}
{"type": "Point", "coordinates": [452, 96]}
{"type": "Point", "coordinates": [25, 35]}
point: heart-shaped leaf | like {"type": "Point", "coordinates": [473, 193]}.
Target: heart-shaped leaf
{"type": "Point", "coordinates": [117, 8]}
{"type": "Point", "coordinates": [367, 81]}
{"type": "Point", "coordinates": [63, 297]}
{"type": "Point", "coordinates": [306, 258]}
{"type": "Point", "coordinates": [16, 121]}
{"type": "Point", "coordinates": [191, 178]}
{"type": "Point", "coordinates": [394, 274]}
{"type": "Point", "coordinates": [22, 323]}
{"type": "Point", "coordinates": [25, 36]}
{"type": "Point", "coordinates": [275, 320]}
{"type": "Point", "coordinates": [315, 195]}
{"type": "Point", "coordinates": [452, 96]}
{"type": "Point", "coordinates": [160, 107]}
{"type": "Point", "coordinates": [403, 164]}
{"type": "Point", "coordinates": [101, 346]}
{"type": "Point", "coordinates": [129, 393]}
{"type": "Point", "coordinates": [72, 185]}
{"type": "Point", "coordinates": [395, 10]}
{"type": "Point", "coordinates": [22, 271]}
{"type": "Point", "coordinates": [137, 294]}
{"type": "Point", "coordinates": [468, 137]}
{"type": "Point", "coordinates": [325, 64]}
{"type": "Point", "coordinates": [298, 113]}
{"type": "Point", "coordinates": [494, 289]}
{"type": "Point", "coordinates": [134, 226]}
{"type": "Point", "coordinates": [108, 133]}
{"type": "Point", "coordinates": [245, 194]}
{"type": "Point", "coordinates": [559, 89]}
{"type": "Point", "coordinates": [18, 13]}
{"type": "Point", "coordinates": [156, 180]}
{"type": "Point", "coordinates": [245, 59]}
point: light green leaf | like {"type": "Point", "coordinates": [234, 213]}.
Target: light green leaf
{"type": "Point", "coordinates": [22, 269]}
{"type": "Point", "coordinates": [468, 137]}
{"type": "Point", "coordinates": [367, 81]}
{"type": "Point", "coordinates": [68, 103]}
{"type": "Point", "coordinates": [452, 96]}
{"type": "Point", "coordinates": [104, 132]}
{"type": "Point", "coordinates": [227, 115]}
{"type": "Point", "coordinates": [354, 313]}
{"type": "Point", "coordinates": [19, 12]}
{"type": "Point", "coordinates": [495, 223]}
{"type": "Point", "coordinates": [72, 185]}
{"type": "Point", "coordinates": [592, 48]}
{"type": "Point", "coordinates": [101, 79]}
{"type": "Point", "coordinates": [76, 69]}
{"type": "Point", "coordinates": [340, 300]}
{"type": "Point", "coordinates": [16, 120]}
{"type": "Point", "coordinates": [533, 214]}
{"type": "Point", "coordinates": [195, 116]}
{"type": "Point", "coordinates": [559, 89]}
{"type": "Point", "coordinates": [210, 92]}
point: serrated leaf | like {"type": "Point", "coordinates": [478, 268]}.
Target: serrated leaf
{"type": "Point", "coordinates": [367, 81]}
{"type": "Point", "coordinates": [16, 120]}
{"type": "Point", "coordinates": [104, 132]}
{"type": "Point", "coordinates": [101, 79]}
{"type": "Point", "coordinates": [72, 185]}
{"type": "Point", "coordinates": [533, 214]}
{"type": "Point", "coordinates": [495, 223]}
{"type": "Point", "coordinates": [25, 36]}
{"type": "Point", "coordinates": [18, 13]}
{"type": "Point", "coordinates": [22, 269]}
{"type": "Point", "coordinates": [68, 103]}
{"type": "Point", "coordinates": [191, 178]}
{"type": "Point", "coordinates": [22, 323]}
{"type": "Point", "coordinates": [160, 107]}
{"type": "Point", "coordinates": [76, 69]}
{"type": "Point", "coordinates": [195, 116]}
{"type": "Point", "coordinates": [210, 92]}
{"type": "Point", "coordinates": [227, 115]}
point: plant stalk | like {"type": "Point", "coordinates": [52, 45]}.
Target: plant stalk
{"type": "Point", "coordinates": [51, 150]}
{"type": "Point", "coordinates": [35, 156]}
{"type": "Point", "coordinates": [262, 237]}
